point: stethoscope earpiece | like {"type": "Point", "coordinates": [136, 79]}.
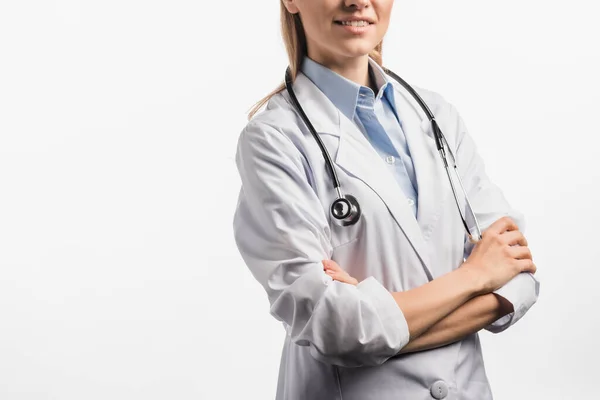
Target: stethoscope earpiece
{"type": "Point", "coordinates": [345, 210]}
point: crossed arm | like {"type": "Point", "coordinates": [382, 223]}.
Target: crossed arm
{"type": "Point", "coordinates": [471, 317]}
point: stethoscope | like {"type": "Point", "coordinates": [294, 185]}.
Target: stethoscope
{"type": "Point", "coordinates": [345, 208]}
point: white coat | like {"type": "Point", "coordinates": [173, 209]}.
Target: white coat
{"type": "Point", "coordinates": [342, 340]}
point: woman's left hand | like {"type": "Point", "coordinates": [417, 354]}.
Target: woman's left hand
{"type": "Point", "coordinates": [337, 273]}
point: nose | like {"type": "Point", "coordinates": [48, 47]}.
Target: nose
{"type": "Point", "coordinates": [360, 4]}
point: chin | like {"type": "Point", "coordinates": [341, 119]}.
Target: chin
{"type": "Point", "coordinates": [355, 51]}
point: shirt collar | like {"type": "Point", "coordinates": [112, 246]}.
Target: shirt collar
{"type": "Point", "coordinates": [342, 92]}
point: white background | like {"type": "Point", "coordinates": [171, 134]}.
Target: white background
{"type": "Point", "coordinates": [119, 276]}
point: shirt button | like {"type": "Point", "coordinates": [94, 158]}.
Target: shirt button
{"type": "Point", "coordinates": [439, 390]}
{"type": "Point", "coordinates": [390, 159]}
{"type": "Point", "coordinates": [411, 202]}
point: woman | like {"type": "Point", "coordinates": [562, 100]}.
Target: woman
{"type": "Point", "coordinates": [408, 329]}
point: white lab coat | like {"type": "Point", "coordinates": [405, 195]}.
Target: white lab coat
{"type": "Point", "coordinates": [342, 340]}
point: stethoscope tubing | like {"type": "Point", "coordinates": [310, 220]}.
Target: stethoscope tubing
{"type": "Point", "coordinates": [438, 136]}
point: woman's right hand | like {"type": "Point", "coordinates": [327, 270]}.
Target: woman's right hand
{"type": "Point", "coordinates": [500, 255]}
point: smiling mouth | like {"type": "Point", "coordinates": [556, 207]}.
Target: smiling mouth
{"type": "Point", "coordinates": [354, 23]}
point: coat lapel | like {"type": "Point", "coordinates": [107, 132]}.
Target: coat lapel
{"type": "Point", "coordinates": [433, 187]}
{"type": "Point", "coordinates": [357, 157]}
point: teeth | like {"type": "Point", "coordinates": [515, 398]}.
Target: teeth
{"type": "Point", "coordinates": [355, 23]}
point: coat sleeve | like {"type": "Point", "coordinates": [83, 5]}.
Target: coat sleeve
{"type": "Point", "coordinates": [489, 204]}
{"type": "Point", "coordinates": [282, 233]}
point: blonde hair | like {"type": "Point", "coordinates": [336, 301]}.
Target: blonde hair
{"type": "Point", "coordinates": [294, 40]}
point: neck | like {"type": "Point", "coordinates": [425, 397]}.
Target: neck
{"type": "Point", "coordinates": [355, 69]}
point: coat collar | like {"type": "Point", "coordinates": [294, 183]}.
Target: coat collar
{"type": "Point", "coordinates": [357, 157]}
{"type": "Point", "coordinates": [323, 114]}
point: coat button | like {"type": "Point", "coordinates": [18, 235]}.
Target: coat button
{"type": "Point", "coordinates": [390, 160]}
{"type": "Point", "coordinates": [439, 390]}
{"type": "Point", "coordinates": [411, 202]}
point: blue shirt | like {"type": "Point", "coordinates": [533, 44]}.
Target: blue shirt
{"type": "Point", "coordinates": [391, 144]}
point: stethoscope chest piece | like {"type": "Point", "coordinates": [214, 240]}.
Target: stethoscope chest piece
{"type": "Point", "coordinates": [345, 210]}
